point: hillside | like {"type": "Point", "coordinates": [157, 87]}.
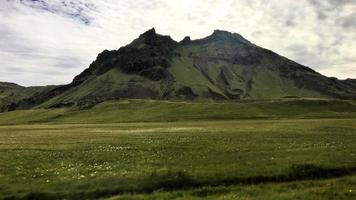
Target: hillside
{"type": "Point", "coordinates": [13, 96]}
{"type": "Point", "coordinates": [222, 66]}
{"type": "Point", "coordinates": [119, 111]}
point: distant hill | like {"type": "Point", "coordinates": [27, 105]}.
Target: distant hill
{"type": "Point", "coordinates": [13, 96]}
{"type": "Point", "coordinates": [222, 66]}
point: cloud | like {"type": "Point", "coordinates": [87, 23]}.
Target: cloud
{"type": "Point", "coordinates": [69, 8]}
{"type": "Point", "coordinates": [325, 7]}
{"type": "Point", "coordinates": [50, 41]}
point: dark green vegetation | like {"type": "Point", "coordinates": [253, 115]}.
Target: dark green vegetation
{"type": "Point", "coordinates": [222, 66]}
{"type": "Point", "coordinates": [305, 190]}
{"type": "Point", "coordinates": [145, 149]}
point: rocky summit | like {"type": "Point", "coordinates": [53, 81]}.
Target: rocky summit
{"type": "Point", "coordinates": [222, 66]}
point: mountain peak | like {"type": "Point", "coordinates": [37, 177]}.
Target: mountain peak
{"type": "Point", "coordinates": [221, 32]}
{"type": "Point", "coordinates": [226, 36]}
{"type": "Point", "coordinates": [186, 40]}
{"type": "Point", "coordinates": [151, 38]}
{"type": "Point", "coordinates": [149, 32]}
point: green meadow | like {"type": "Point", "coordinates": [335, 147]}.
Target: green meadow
{"type": "Point", "coordinates": [137, 149]}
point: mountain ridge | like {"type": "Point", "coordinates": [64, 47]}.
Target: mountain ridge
{"type": "Point", "coordinates": [221, 66]}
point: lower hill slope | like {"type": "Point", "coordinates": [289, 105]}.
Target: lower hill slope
{"type": "Point", "coordinates": [13, 96]}
{"type": "Point", "coordinates": [168, 111]}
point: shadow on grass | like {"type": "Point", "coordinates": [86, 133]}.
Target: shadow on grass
{"type": "Point", "coordinates": [181, 180]}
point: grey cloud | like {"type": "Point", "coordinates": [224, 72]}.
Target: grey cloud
{"type": "Point", "coordinates": [324, 8]}
{"type": "Point", "coordinates": [75, 9]}
{"type": "Point", "coordinates": [66, 62]}
{"type": "Point", "coordinates": [14, 43]}
{"type": "Point", "coordinates": [349, 22]}
{"type": "Point", "coordinates": [21, 56]}
{"type": "Point", "coordinates": [329, 5]}
{"type": "Point", "coordinates": [15, 69]}
{"type": "Point", "coordinates": [302, 54]}
{"type": "Point", "coordinates": [290, 22]}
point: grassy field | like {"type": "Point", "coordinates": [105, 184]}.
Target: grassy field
{"type": "Point", "coordinates": [168, 111]}
{"type": "Point", "coordinates": [50, 154]}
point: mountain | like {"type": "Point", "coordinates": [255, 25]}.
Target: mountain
{"type": "Point", "coordinates": [13, 96]}
{"type": "Point", "coordinates": [222, 66]}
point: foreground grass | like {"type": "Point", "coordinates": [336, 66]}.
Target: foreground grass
{"type": "Point", "coordinates": [340, 188]}
{"type": "Point", "coordinates": [217, 159]}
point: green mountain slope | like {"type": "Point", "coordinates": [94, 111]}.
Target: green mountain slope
{"type": "Point", "coordinates": [222, 66]}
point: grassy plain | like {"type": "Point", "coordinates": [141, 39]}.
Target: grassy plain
{"type": "Point", "coordinates": [170, 111]}
{"type": "Point", "coordinates": [245, 152]}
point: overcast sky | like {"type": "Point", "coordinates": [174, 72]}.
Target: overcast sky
{"type": "Point", "coordinates": [50, 41]}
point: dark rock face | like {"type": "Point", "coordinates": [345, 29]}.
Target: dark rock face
{"type": "Point", "coordinates": [149, 50]}
{"type": "Point", "coordinates": [186, 40]}
{"type": "Point", "coordinates": [149, 53]}
{"type": "Point", "coordinates": [104, 62]}
{"type": "Point", "coordinates": [133, 60]}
